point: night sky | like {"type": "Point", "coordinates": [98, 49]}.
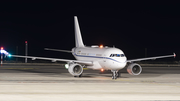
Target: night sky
{"type": "Point", "coordinates": [132, 27]}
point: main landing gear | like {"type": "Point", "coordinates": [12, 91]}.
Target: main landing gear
{"type": "Point", "coordinates": [79, 75]}
{"type": "Point", "coordinates": [115, 74]}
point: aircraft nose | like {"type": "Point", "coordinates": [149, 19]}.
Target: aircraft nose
{"type": "Point", "coordinates": [123, 60]}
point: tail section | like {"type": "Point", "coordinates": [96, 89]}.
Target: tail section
{"type": "Point", "coordinates": [78, 38]}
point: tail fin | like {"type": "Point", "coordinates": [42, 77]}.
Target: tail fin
{"type": "Point", "coordinates": [78, 38]}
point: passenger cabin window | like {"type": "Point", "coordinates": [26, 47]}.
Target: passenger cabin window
{"type": "Point", "coordinates": [117, 55]}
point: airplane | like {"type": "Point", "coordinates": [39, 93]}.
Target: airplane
{"type": "Point", "coordinates": [96, 57]}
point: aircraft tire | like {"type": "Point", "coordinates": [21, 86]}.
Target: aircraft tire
{"type": "Point", "coordinates": [80, 75]}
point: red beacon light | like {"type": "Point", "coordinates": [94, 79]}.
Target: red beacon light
{"type": "Point", "coordinates": [2, 48]}
{"type": "Point", "coordinates": [101, 46]}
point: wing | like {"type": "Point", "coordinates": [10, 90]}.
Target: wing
{"type": "Point", "coordinates": [55, 59]}
{"type": "Point", "coordinates": [58, 50]}
{"type": "Point", "coordinates": [152, 58]}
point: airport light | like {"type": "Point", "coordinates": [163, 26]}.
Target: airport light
{"type": "Point", "coordinates": [26, 50]}
{"type": "Point", "coordinates": [2, 51]}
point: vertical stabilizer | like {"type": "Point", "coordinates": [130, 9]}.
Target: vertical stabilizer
{"type": "Point", "coordinates": [78, 38]}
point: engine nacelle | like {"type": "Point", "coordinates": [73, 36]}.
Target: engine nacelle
{"type": "Point", "coordinates": [134, 69]}
{"type": "Point", "coordinates": [75, 69]}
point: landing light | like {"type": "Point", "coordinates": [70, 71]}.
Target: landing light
{"type": "Point", "coordinates": [102, 69]}
{"type": "Point", "coordinates": [66, 66]}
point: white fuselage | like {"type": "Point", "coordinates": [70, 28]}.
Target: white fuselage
{"type": "Point", "coordinates": [106, 58]}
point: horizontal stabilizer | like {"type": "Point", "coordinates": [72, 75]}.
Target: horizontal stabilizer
{"type": "Point", "coordinates": [58, 50]}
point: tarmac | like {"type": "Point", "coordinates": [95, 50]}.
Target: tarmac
{"type": "Point", "coordinates": [52, 82]}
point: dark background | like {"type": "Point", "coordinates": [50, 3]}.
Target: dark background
{"type": "Point", "coordinates": [130, 26]}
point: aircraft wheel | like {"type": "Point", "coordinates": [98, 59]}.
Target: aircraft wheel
{"type": "Point", "coordinates": [112, 76]}
{"type": "Point", "coordinates": [80, 75]}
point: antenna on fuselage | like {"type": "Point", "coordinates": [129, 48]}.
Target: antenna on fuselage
{"type": "Point", "coordinates": [78, 38]}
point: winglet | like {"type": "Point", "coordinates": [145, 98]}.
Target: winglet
{"type": "Point", "coordinates": [78, 38]}
{"type": "Point", "coordinates": [174, 55]}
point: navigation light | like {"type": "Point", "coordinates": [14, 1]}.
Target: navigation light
{"type": "Point", "coordinates": [9, 55]}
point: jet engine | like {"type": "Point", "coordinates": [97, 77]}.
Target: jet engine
{"type": "Point", "coordinates": [134, 69]}
{"type": "Point", "coordinates": [75, 69]}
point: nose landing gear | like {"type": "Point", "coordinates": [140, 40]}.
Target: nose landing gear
{"type": "Point", "coordinates": [115, 74]}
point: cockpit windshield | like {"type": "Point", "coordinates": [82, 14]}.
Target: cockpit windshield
{"type": "Point", "coordinates": [117, 55]}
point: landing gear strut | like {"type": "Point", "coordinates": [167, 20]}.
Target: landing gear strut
{"type": "Point", "coordinates": [115, 74]}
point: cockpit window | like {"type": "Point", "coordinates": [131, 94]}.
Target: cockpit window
{"type": "Point", "coordinates": [122, 55]}
{"type": "Point", "coordinates": [117, 55]}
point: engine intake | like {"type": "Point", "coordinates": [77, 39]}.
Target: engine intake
{"type": "Point", "coordinates": [134, 69]}
{"type": "Point", "coordinates": [75, 69]}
